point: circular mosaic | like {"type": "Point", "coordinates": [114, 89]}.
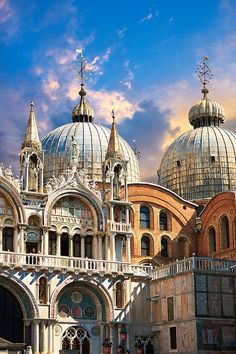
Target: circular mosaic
{"type": "Point", "coordinates": [76, 297]}
{"type": "Point", "coordinates": [63, 310]}
{"type": "Point", "coordinates": [89, 311]}
{"type": "Point", "coordinates": [76, 312]}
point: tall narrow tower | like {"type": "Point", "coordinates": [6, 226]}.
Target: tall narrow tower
{"type": "Point", "coordinates": [115, 199]}
{"type": "Point", "coordinates": [31, 157]}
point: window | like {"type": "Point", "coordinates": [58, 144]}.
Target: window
{"type": "Point", "coordinates": [8, 233]}
{"type": "Point", "coordinates": [144, 217]}
{"type": "Point", "coordinates": [224, 232]}
{"type": "Point", "coordinates": [163, 221]}
{"type": "Point", "coordinates": [145, 246]}
{"type": "Point", "coordinates": [178, 163]}
{"type": "Point", "coordinates": [212, 239]}
{"type": "Point", "coordinates": [64, 244]}
{"type": "Point", "coordinates": [88, 246]}
{"type": "Point", "coordinates": [164, 247]}
{"type": "Point", "coordinates": [52, 243]}
{"type": "Point", "coordinates": [119, 295]}
{"type": "Point", "coordinates": [173, 339]}
{"type": "Point", "coordinates": [170, 308]}
{"type": "Point", "coordinates": [76, 246]}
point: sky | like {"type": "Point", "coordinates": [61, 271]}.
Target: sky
{"type": "Point", "coordinates": [144, 56]}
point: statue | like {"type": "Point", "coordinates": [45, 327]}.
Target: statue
{"type": "Point", "coordinates": [33, 177]}
{"type": "Point", "coordinates": [74, 151]}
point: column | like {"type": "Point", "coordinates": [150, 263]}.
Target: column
{"type": "Point", "coordinates": [126, 188]}
{"type": "Point", "coordinates": [95, 247]}
{"type": "Point", "coordinates": [111, 185]}
{"type": "Point", "coordinates": [70, 245]}
{"type": "Point", "coordinates": [41, 179]}
{"type": "Point", "coordinates": [42, 337]}
{"type": "Point", "coordinates": [107, 249]}
{"type": "Point", "coordinates": [82, 246]}
{"type": "Point", "coordinates": [35, 337]}
{"type": "Point", "coordinates": [15, 241]}
{"type": "Point", "coordinates": [113, 338]}
{"type": "Point", "coordinates": [1, 231]}
{"type": "Point", "coordinates": [46, 240]}
{"type": "Point", "coordinates": [100, 246]}
{"type": "Point", "coordinates": [22, 238]}
{"type": "Point", "coordinates": [127, 214]}
{"type": "Point", "coordinates": [58, 244]}
{"type": "Point", "coordinates": [128, 248]}
{"type": "Point", "coordinates": [26, 184]}
{"type": "Point", "coordinates": [113, 247]}
{"type": "Point", "coordinates": [49, 337]}
{"type": "Point", "coordinates": [112, 213]}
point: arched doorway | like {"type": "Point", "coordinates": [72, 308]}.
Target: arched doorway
{"type": "Point", "coordinates": [75, 340]}
{"type": "Point", "coordinates": [11, 317]}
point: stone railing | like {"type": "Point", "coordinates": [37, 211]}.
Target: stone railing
{"type": "Point", "coordinates": [194, 264]}
{"type": "Point", "coordinates": [62, 264]}
{"type": "Point", "coordinates": [119, 227]}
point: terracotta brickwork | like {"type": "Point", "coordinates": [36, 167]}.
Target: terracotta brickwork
{"type": "Point", "coordinates": [222, 205]}
{"type": "Point", "coordinates": [180, 230]}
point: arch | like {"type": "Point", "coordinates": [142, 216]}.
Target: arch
{"type": "Point", "coordinates": [96, 289]}
{"type": "Point", "coordinates": [145, 217]}
{"type": "Point", "coordinates": [119, 294]}
{"type": "Point", "coordinates": [35, 220]}
{"type": "Point", "coordinates": [224, 228]}
{"type": "Point", "coordinates": [76, 338]}
{"type": "Point", "coordinates": [211, 239]}
{"type": "Point", "coordinates": [163, 220]}
{"type": "Point", "coordinates": [183, 247]}
{"type": "Point", "coordinates": [165, 252]}
{"type": "Point", "coordinates": [11, 194]}
{"type": "Point", "coordinates": [145, 245]}
{"type": "Point", "coordinates": [92, 201]}
{"type": "Point", "coordinates": [22, 293]}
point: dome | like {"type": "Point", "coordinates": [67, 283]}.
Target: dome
{"type": "Point", "coordinates": [92, 140]}
{"type": "Point", "coordinates": [206, 112]}
{"type": "Point", "coordinates": [200, 163]}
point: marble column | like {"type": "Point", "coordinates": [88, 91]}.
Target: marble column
{"type": "Point", "coordinates": [35, 337]}
{"type": "Point", "coordinates": [26, 182]}
{"type": "Point", "coordinates": [82, 246]}
{"type": "Point", "coordinates": [15, 241]}
{"type": "Point", "coordinates": [50, 326]}
{"type": "Point", "coordinates": [41, 179]}
{"type": "Point", "coordinates": [100, 246]}
{"type": "Point", "coordinates": [128, 248]}
{"type": "Point", "coordinates": [22, 238]}
{"type": "Point", "coordinates": [58, 244]}
{"type": "Point", "coordinates": [70, 245]}
{"type": "Point", "coordinates": [113, 246]}
{"type": "Point", "coordinates": [46, 240]}
{"type": "Point", "coordinates": [95, 247]}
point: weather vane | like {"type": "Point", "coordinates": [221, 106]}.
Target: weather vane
{"type": "Point", "coordinates": [136, 149]}
{"type": "Point", "coordinates": [204, 72]}
{"type": "Point", "coordinates": [81, 67]}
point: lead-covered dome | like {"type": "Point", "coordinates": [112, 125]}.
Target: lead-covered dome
{"type": "Point", "coordinates": [201, 162]}
{"type": "Point", "coordinates": [91, 141]}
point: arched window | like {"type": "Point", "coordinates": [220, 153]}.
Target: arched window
{"type": "Point", "coordinates": [88, 246]}
{"type": "Point", "coordinates": [64, 244]}
{"type": "Point", "coordinates": [52, 243]}
{"type": "Point", "coordinates": [76, 246]}
{"type": "Point", "coordinates": [119, 295]}
{"type": "Point", "coordinates": [164, 247]}
{"type": "Point", "coordinates": [224, 232]}
{"type": "Point", "coordinates": [183, 248]}
{"type": "Point", "coordinates": [42, 290]}
{"type": "Point", "coordinates": [145, 246]}
{"type": "Point", "coordinates": [8, 234]}
{"type": "Point", "coordinates": [163, 220]}
{"type": "Point", "coordinates": [212, 239]}
{"type": "Point", "coordinates": [144, 217]}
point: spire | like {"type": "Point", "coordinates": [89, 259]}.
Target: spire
{"type": "Point", "coordinates": [31, 138]}
{"type": "Point", "coordinates": [113, 149]}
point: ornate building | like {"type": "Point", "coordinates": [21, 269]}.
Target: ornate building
{"type": "Point", "coordinates": [89, 255]}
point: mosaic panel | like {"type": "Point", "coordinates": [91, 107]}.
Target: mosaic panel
{"type": "Point", "coordinates": [201, 303]}
{"type": "Point", "coordinates": [214, 304]}
{"type": "Point", "coordinates": [214, 284]}
{"type": "Point", "coordinates": [228, 305]}
{"type": "Point", "coordinates": [201, 283]}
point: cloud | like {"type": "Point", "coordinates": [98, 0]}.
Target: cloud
{"type": "Point", "coordinates": [51, 86]}
{"type": "Point", "coordinates": [8, 20]}
{"type": "Point", "coordinates": [6, 11]}
{"type": "Point", "coordinates": [149, 127]}
{"type": "Point", "coordinates": [122, 32]}
{"type": "Point", "coordinates": [150, 16]}
{"type": "Point", "coordinates": [127, 80]}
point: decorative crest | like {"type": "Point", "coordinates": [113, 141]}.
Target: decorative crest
{"type": "Point", "coordinates": [204, 74]}
{"type": "Point", "coordinates": [81, 67]}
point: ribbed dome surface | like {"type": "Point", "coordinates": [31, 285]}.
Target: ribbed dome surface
{"type": "Point", "coordinates": [206, 112]}
{"type": "Point", "coordinates": [92, 140]}
{"type": "Point", "coordinates": [200, 163]}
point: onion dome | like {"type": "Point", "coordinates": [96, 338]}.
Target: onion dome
{"type": "Point", "coordinates": [91, 141]}
{"type": "Point", "coordinates": [206, 112]}
{"type": "Point", "coordinates": [82, 111]}
{"type": "Point", "coordinates": [201, 162]}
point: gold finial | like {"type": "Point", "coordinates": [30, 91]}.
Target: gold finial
{"type": "Point", "coordinates": [81, 67]}
{"type": "Point", "coordinates": [31, 105]}
{"type": "Point", "coordinates": [204, 74]}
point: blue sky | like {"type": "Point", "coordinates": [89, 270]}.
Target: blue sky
{"type": "Point", "coordinates": [144, 55]}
